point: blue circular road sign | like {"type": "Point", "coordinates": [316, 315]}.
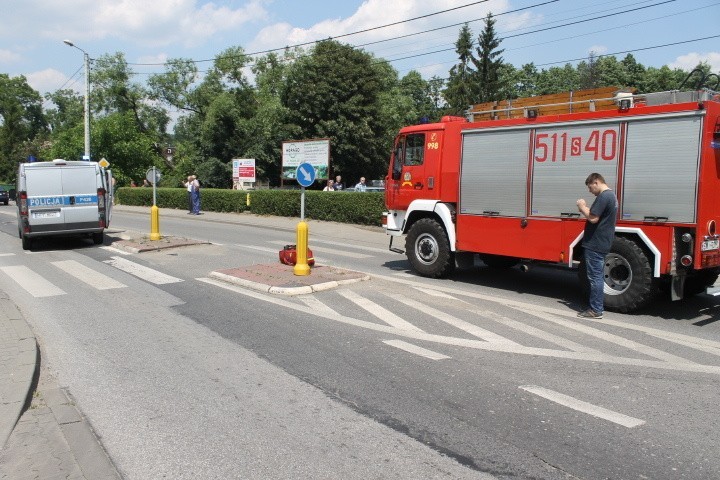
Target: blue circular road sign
{"type": "Point", "coordinates": [305, 174]}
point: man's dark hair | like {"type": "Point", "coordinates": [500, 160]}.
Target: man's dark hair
{"type": "Point", "coordinates": [594, 176]}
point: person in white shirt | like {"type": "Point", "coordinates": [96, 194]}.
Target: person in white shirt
{"type": "Point", "coordinates": [361, 187]}
{"type": "Point", "coordinates": [188, 185]}
{"type": "Point", "coordinates": [329, 187]}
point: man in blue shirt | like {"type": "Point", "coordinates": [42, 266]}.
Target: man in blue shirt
{"type": "Point", "coordinates": [598, 239]}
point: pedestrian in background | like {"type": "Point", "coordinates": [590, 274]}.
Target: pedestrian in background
{"type": "Point", "coordinates": [195, 195]}
{"type": "Point", "coordinates": [330, 187]}
{"type": "Point", "coordinates": [146, 183]}
{"type": "Point", "coordinates": [597, 239]}
{"type": "Point", "coordinates": [338, 183]}
{"type": "Point", "coordinates": [360, 186]}
{"type": "Point", "coordinates": [188, 187]}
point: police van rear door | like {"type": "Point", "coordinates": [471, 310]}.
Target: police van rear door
{"type": "Point", "coordinates": [80, 188]}
{"type": "Point", "coordinates": [45, 195]}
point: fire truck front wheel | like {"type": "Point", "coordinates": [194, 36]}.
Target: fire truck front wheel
{"type": "Point", "coordinates": [428, 249]}
{"type": "Point", "coordinates": [629, 282]}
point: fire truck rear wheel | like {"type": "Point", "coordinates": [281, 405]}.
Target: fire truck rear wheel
{"type": "Point", "coordinates": [629, 282]}
{"type": "Point", "coordinates": [428, 249]}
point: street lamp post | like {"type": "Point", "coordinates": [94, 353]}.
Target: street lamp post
{"type": "Point", "coordinates": [86, 58]}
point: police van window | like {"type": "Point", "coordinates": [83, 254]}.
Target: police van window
{"type": "Point", "coordinates": [415, 149]}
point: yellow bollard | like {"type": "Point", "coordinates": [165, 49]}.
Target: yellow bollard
{"type": "Point", "coordinates": [247, 200]}
{"type": "Point", "coordinates": [154, 223]}
{"type": "Point", "coordinates": [301, 245]}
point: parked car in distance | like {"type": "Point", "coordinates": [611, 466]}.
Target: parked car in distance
{"type": "Point", "coordinates": [367, 189]}
{"type": "Point", "coordinates": [4, 196]}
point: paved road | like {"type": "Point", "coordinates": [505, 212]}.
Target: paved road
{"type": "Point", "coordinates": [186, 374]}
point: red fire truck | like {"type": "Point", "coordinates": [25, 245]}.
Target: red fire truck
{"type": "Point", "coordinates": [506, 189]}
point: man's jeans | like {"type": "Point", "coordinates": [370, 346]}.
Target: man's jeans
{"type": "Point", "coordinates": [595, 264]}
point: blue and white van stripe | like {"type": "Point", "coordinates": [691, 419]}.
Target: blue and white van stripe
{"type": "Point", "coordinates": [62, 200]}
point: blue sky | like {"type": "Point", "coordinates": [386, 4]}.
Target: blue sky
{"type": "Point", "coordinates": [151, 31]}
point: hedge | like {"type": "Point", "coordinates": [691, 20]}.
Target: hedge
{"type": "Point", "coordinates": [346, 207]}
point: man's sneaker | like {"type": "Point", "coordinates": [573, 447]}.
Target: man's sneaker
{"type": "Point", "coordinates": [589, 313]}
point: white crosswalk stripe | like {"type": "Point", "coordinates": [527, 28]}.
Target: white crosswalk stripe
{"type": "Point", "coordinates": [378, 311]}
{"type": "Point", "coordinates": [115, 250]}
{"type": "Point", "coordinates": [612, 338]}
{"type": "Point", "coordinates": [454, 321]}
{"type": "Point", "coordinates": [409, 347]}
{"type": "Point", "coordinates": [142, 272]}
{"type": "Point", "coordinates": [35, 284]}
{"type": "Point", "coordinates": [88, 275]}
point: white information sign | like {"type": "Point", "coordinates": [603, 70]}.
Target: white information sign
{"type": "Point", "coordinates": [314, 152]}
{"type": "Point", "coordinates": [243, 169]}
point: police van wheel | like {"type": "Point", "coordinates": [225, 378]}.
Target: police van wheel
{"type": "Point", "coordinates": [629, 282]}
{"type": "Point", "coordinates": [428, 249]}
{"type": "Point", "coordinates": [26, 243]}
{"type": "Point", "coordinates": [98, 238]}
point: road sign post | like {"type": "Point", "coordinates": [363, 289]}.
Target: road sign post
{"type": "Point", "coordinates": [153, 176]}
{"type": "Point", "coordinates": [305, 175]}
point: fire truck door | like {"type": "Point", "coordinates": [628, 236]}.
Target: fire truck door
{"type": "Point", "coordinates": [412, 174]}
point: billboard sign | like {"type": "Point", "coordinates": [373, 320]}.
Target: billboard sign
{"type": "Point", "coordinates": [243, 169]}
{"type": "Point", "coordinates": [315, 152]}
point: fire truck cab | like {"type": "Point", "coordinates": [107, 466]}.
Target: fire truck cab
{"type": "Point", "coordinates": [505, 187]}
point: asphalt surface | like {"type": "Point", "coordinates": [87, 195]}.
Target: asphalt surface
{"type": "Point", "coordinates": [43, 432]}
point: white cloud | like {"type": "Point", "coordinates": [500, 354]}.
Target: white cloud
{"type": "Point", "coordinates": [49, 80]}
{"type": "Point", "coordinates": [373, 13]}
{"type": "Point", "coordinates": [158, 59]}
{"type": "Point", "coordinates": [598, 49]}
{"type": "Point", "coordinates": [146, 22]}
{"type": "Point", "coordinates": [7, 56]}
{"type": "Point", "coordinates": [691, 60]}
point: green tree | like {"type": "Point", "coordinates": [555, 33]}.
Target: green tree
{"type": "Point", "coordinates": [417, 89]}
{"type": "Point", "coordinates": [488, 63]}
{"type": "Point", "coordinates": [588, 72]}
{"type": "Point", "coordinates": [558, 79]}
{"type": "Point", "coordinates": [435, 93]}
{"type": "Point", "coordinates": [22, 122]}
{"type": "Point", "coordinates": [663, 79]}
{"type": "Point", "coordinates": [218, 110]}
{"type": "Point", "coordinates": [611, 73]}
{"type": "Point", "coordinates": [461, 90]}
{"type": "Point", "coordinates": [270, 125]}
{"type": "Point", "coordinates": [68, 112]}
{"type": "Point", "coordinates": [334, 92]}
{"type": "Point", "coordinates": [635, 73]}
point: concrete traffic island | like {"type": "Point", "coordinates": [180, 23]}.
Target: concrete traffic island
{"type": "Point", "coordinates": [141, 244]}
{"type": "Point", "coordinates": [280, 279]}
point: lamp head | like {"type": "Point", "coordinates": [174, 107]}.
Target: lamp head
{"type": "Point", "coordinates": [68, 42]}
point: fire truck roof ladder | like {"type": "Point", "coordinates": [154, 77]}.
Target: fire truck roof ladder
{"type": "Point", "coordinates": [582, 101]}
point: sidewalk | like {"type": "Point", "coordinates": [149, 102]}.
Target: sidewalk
{"type": "Point", "coordinates": [50, 439]}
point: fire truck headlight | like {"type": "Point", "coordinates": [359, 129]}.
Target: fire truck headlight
{"type": "Point", "coordinates": [686, 260]}
{"type": "Point", "coordinates": [687, 238]}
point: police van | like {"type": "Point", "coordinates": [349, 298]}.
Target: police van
{"type": "Point", "coordinates": [63, 198]}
